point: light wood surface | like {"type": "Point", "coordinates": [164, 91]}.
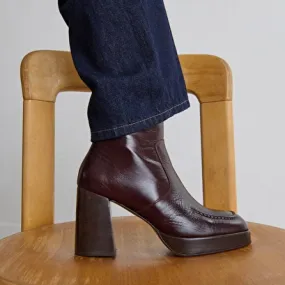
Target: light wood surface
{"type": "Point", "coordinates": [46, 73]}
{"type": "Point", "coordinates": [218, 159]}
{"type": "Point", "coordinates": [38, 164]}
{"type": "Point", "coordinates": [208, 77]}
{"type": "Point", "coordinates": [45, 256]}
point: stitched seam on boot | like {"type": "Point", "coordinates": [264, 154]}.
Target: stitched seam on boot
{"type": "Point", "coordinates": [169, 188]}
{"type": "Point", "coordinates": [164, 196]}
{"type": "Point", "coordinates": [212, 216]}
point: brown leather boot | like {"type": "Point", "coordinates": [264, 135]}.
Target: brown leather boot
{"type": "Point", "coordinates": [135, 172]}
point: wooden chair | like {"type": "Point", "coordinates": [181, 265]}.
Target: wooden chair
{"type": "Point", "coordinates": [44, 252]}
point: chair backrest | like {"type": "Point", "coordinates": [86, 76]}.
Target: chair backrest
{"type": "Point", "coordinates": [46, 73]}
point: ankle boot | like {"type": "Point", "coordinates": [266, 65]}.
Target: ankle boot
{"type": "Point", "coordinates": [136, 173]}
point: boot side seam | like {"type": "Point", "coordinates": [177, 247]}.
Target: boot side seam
{"type": "Point", "coordinates": [169, 189]}
{"type": "Point", "coordinates": [212, 216]}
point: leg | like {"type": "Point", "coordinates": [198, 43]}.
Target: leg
{"type": "Point", "coordinates": [124, 51]}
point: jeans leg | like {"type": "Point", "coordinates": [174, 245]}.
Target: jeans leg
{"type": "Point", "coordinates": [124, 51]}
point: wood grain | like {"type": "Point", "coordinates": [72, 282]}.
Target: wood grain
{"type": "Point", "coordinates": [38, 164]}
{"type": "Point", "coordinates": [208, 77]}
{"type": "Point", "coordinates": [218, 155]}
{"type": "Point", "coordinates": [46, 73]}
{"type": "Point", "coordinates": [45, 256]}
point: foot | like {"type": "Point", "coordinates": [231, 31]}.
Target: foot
{"type": "Point", "coordinates": [135, 172]}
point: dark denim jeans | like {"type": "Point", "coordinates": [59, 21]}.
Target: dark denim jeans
{"type": "Point", "coordinates": [124, 51]}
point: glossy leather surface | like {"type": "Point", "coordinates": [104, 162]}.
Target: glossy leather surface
{"type": "Point", "coordinates": [136, 172]}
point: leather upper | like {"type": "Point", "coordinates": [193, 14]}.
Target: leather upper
{"type": "Point", "coordinates": [136, 172]}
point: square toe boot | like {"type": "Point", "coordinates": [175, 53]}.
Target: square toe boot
{"type": "Point", "coordinates": [136, 173]}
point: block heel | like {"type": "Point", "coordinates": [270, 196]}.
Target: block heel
{"type": "Point", "coordinates": [93, 235]}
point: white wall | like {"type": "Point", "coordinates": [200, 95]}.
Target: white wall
{"type": "Point", "coordinates": [248, 34]}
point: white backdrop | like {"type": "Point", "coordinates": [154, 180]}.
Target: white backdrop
{"type": "Point", "coordinates": [248, 34]}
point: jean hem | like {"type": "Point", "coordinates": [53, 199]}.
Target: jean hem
{"type": "Point", "coordinates": [139, 125]}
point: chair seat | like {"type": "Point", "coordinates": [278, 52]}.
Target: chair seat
{"type": "Point", "coordinates": [45, 256]}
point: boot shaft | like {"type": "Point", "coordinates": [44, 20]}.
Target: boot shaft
{"type": "Point", "coordinates": [127, 169]}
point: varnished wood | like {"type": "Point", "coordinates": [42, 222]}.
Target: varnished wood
{"type": "Point", "coordinates": [46, 73]}
{"type": "Point", "coordinates": [45, 256]}
{"type": "Point", "coordinates": [38, 164]}
{"type": "Point", "coordinates": [5, 282]}
{"type": "Point", "coordinates": [208, 77]}
{"type": "Point", "coordinates": [218, 159]}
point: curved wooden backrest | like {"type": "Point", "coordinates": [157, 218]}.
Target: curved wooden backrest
{"type": "Point", "coordinates": [46, 73]}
